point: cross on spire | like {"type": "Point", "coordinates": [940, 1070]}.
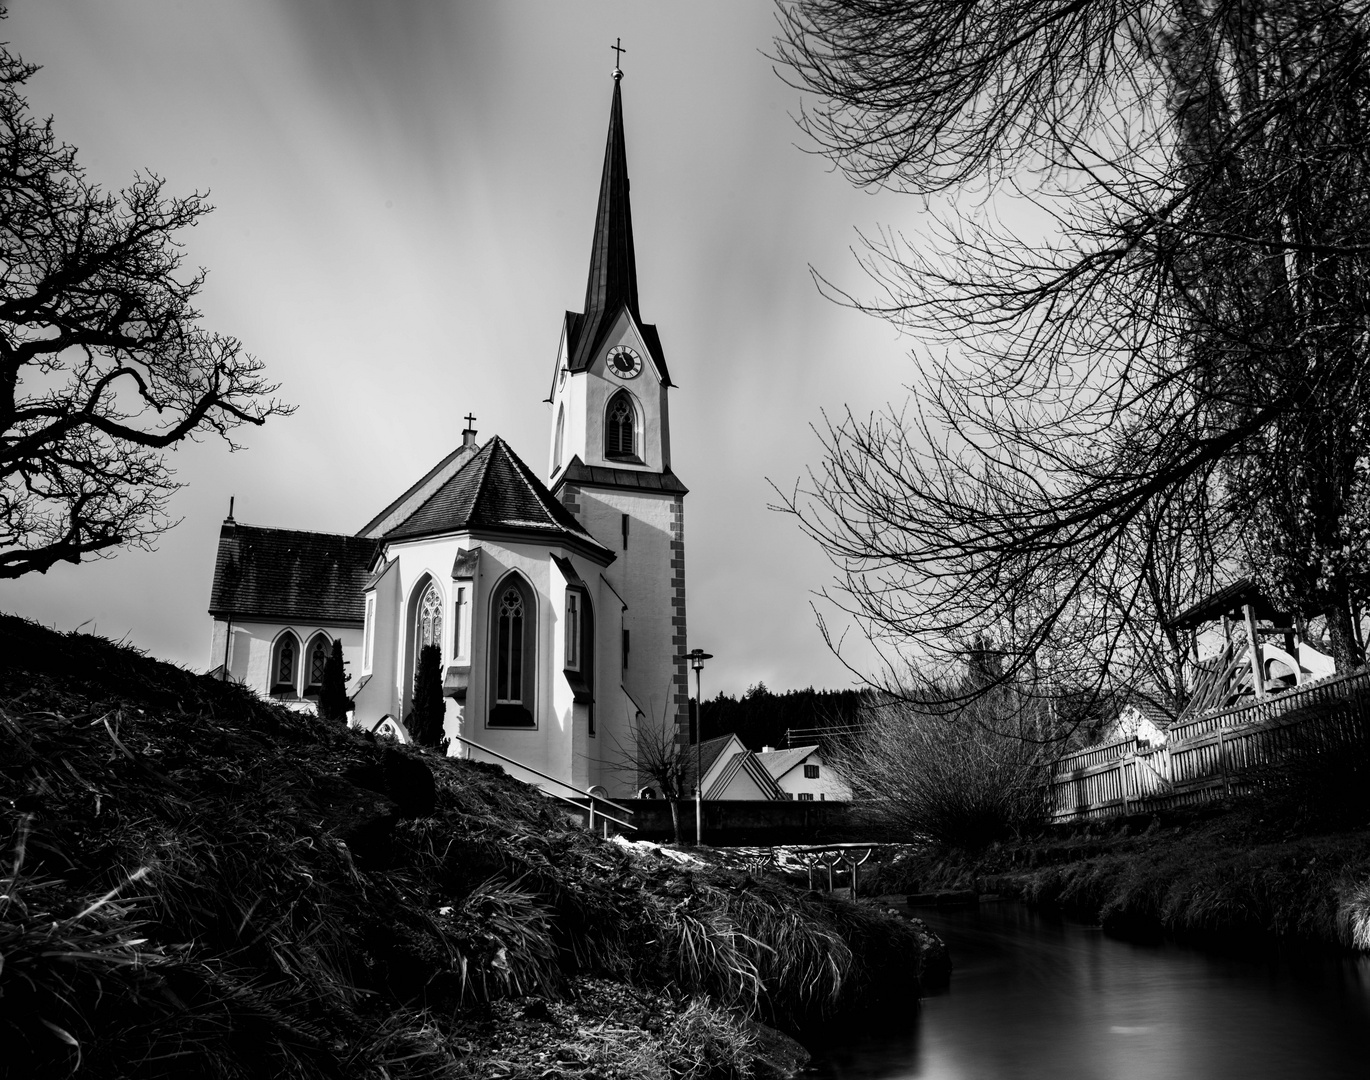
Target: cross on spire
{"type": "Point", "coordinates": [618, 48]}
{"type": "Point", "coordinates": [470, 420]}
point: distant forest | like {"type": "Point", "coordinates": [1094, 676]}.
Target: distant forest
{"type": "Point", "coordinates": [760, 718]}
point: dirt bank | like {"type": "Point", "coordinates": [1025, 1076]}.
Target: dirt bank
{"type": "Point", "coordinates": [1228, 874]}
{"type": "Point", "coordinates": [198, 883]}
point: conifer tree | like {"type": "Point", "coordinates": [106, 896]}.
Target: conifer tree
{"type": "Point", "coordinates": [333, 699]}
{"type": "Point", "coordinates": [424, 722]}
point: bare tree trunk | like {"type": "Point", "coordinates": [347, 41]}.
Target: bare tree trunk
{"type": "Point", "coordinates": [1342, 635]}
{"type": "Point", "coordinates": [675, 818]}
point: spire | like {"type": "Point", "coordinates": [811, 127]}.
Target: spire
{"type": "Point", "coordinates": [613, 268]}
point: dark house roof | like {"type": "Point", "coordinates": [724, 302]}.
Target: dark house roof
{"type": "Point", "coordinates": [495, 490]}
{"type": "Point", "coordinates": [577, 472]}
{"type": "Point", "coordinates": [612, 284]}
{"type": "Point", "coordinates": [709, 750]}
{"type": "Point", "coordinates": [284, 575]}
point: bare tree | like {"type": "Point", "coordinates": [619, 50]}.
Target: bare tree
{"type": "Point", "coordinates": [103, 363]}
{"type": "Point", "coordinates": [1104, 406]}
{"type": "Point", "coordinates": [655, 759]}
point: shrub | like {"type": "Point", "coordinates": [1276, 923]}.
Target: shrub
{"type": "Point", "coordinates": [963, 780]}
{"type": "Point", "coordinates": [333, 699]}
{"type": "Point", "coordinates": [425, 721]}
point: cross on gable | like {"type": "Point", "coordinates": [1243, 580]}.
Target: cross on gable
{"type": "Point", "coordinates": [470, 420]}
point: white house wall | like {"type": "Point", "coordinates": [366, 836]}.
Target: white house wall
{"type": "Point", "coordinates": [829, 785]}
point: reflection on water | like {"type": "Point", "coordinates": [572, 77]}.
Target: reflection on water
{"type": "Point", "coordinates": [1033, 996]}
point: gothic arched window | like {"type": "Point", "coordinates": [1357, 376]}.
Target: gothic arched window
{"type": "Point", "coordinates": [513, 632]}
{"type": "Point", "coordinates": [509, 649]}
{"type": "Point", "coordinates": [428, 620]}
{"type": "Point", "coordinates": [316, 659]}
{"type": "Point", "coordinates": [285, 664]}
{"type": "Point", "coordinates": [620, 423]}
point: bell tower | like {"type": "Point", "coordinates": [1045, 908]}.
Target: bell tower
{"type": "Point", "coordinates": [610, 454]}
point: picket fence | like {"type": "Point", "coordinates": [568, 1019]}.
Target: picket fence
{"type": "Point", "coordinates": [1210, 755]}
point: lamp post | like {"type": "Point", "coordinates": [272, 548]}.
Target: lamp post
{"type": "Point", "coordinates": [696, 657]}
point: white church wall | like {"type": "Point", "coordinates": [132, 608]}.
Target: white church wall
{"type": "Point", "coordinates": [642, 576]}
{"type": "Point", "coordinates": [249, 653]}
{"type": "Point", "coordinates": [546, 746]}
{"type": "Point", "coordinates": [570, 395]}
{"type": "Point", "coordinates": [378, 696]}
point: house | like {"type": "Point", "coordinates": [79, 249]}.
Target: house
{"type": "Point", "coordinates": [801, 774]}
{"type": "Point", "coordinates": [557, 606]}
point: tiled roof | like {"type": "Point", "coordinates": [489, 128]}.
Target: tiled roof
{"type": "Point", "coordinates": [577, 472]}
{"type": "Point", "coordinates": [397, 511]}
{"type": "Point", "coordinates": [779, 762]}
{"type": "Point", "coordinates": [494, 490]}
{"type": "Point", "coordinates": [709, 750]}
{"type": "Point", "coordinates": [289, 576]}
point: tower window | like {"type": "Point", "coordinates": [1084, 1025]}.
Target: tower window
{"type": "Point", "coordinates": [620, 435]}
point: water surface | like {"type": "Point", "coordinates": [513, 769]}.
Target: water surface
{"type": "Point", "coordinates": [1036, 996]}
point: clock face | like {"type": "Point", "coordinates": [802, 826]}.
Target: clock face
{"type": "Point", "coordinates": [624, 363]}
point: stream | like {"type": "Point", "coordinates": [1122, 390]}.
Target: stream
{"type": "Point", "coordinates": [1033, 995]}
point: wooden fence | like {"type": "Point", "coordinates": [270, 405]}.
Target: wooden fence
{"type": "Point", "coordinates": [1210, 755]}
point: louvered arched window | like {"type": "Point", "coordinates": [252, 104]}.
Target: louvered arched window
{"type": "Point", "coordinates": [620, 427]}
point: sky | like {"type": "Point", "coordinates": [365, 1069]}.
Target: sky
{"type": "Point", "coordinates": [404, 200]}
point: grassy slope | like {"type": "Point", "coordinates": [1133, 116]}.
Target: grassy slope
{"type": "Point", "coordinates": [195, 882]}
{"type": "Point", "coordinates": [1236, 873]}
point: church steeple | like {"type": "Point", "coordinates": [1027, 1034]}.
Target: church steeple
{"type": "Point", "coordinates": [613, 266]}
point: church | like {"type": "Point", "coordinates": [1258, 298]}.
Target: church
{"type": "Point", "coordinates": [558, 607]}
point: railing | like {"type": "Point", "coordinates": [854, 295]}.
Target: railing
{"type": "Point", "coordinates": [1204, 758]}
{"type": "Point", "coordinates": [564, 798]}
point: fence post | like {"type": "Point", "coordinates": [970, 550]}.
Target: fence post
{"type": "Point", "coordinates": [1222, 760]}
{"type": "Point", "coordinates": [1122, 782]}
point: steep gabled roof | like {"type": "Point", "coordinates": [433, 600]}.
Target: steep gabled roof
{"type": "Point", "coordinates": [421, 489]}
{"type": "Point", "coordinates": [284, 575]}
{"type": "Point", "coordinates": [612, 284]}
{"type": "Point", "coordinates": [745, 762]}
{"type": "Point", "coordinates": [778, 762]}
{"type": "Point", "coordinates": [709, 751]}
{"type": "Point", "coordinates": [494, 490]}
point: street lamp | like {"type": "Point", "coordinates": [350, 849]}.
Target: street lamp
{"type": "Point", "coordinates": [696, 657]}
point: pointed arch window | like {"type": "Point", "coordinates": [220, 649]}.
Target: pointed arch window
{"type": "Point", "coordinates": [285, 665]}
{"type": "Point", "coordinates": [561, 431]}
{"type": "Point", "coordinates": [428, 619]}
{"type": "Point", "coordinates": [316, 660]}
{"type": "Point", "coordinates": [513, 630]}
{"type": "Point", "coordinates": [620, 428]}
